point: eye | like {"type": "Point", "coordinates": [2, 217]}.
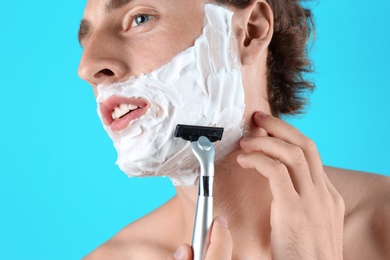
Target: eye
{"type": "Point", "coordinates": [140, 19]}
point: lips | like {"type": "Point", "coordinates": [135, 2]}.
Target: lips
{"type": "Point", "coordinates": [118, 111]}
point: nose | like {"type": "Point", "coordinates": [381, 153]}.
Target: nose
{"type": "Point", "coordinates": [102, 61]}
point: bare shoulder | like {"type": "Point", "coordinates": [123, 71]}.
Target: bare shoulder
{"type": "Point", "coordinates": [151, 237]}
{"type": "Point", "coordinates": [359, 187]}
{"type": "Point", "coordinates": [117, 248]}
{"type": "Point", "coordinates": [367, 201]}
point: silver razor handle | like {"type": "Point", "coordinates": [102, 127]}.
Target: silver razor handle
{"type": "Point", "coordinates": [204, 151]}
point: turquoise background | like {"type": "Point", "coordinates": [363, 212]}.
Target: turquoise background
{"type": "Point", "coordinates": [61, 195]}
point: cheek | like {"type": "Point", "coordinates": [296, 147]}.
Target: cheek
{"type": "Point", "coordinates": [146, 56]}
{"type": "Point", "coordinates": [151, 51]}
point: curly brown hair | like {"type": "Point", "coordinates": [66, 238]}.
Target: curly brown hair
{"type": "Point", "coordinates": [288, 61]}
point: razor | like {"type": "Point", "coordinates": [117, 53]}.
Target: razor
{"type": "Point", "coordinates": [202, 146]}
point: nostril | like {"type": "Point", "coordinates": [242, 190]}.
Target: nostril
{"type": "Point", "coordinates": [104, 73]}
{"type": "Point", "coordinates": [107, 72]}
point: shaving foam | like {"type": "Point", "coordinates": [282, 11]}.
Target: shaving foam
{"type": "Point", "coordinates": [200, 86]}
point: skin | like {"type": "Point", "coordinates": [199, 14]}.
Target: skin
{"type": "Point", "coordinates": [285, 204]}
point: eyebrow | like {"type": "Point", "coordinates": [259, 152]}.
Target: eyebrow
{"type": "Point", "coordinates": [83, 30]}
{"type": "Point", "coordinates": [112, 5]}
{"type": "Point", "coordinates": [109, 7]}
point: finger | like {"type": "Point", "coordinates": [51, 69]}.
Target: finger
{"type": "Point", "coordinates": [221, 243]}
{"type": "Point", "coordinates": [282, 130]}
{"type": "Point", "coordinates": [184, 252]}
{"type": "Point", "coordinates": [280, 182]}
{"type": "Point", "coordinates": [290, 155]}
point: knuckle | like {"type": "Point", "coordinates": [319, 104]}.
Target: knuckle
{"type": "Point", "coordinates": [280, 167]}
{"type": "Point", "coordinates": [282, 175]}
{"type": "Point", "coordinates": [310, 145]}
{"type": "Point", "coordinates": [298, 157]}
{"type": "Point", "coordinates": [296, 151]}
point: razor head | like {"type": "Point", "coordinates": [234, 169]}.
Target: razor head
{"type": "Point", "coordinates": [193, 132]}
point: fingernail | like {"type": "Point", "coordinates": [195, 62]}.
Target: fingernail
{"type": "Point", "coordinates": [244, 139]}
{"type": "Point", "coordinates": [180, 253]}
{"type": "Point", "coordinates": [241, 158]}
{"type": "Point", "coordinates": [223, 222]}
{"type": "Point", "coordinates": [261, 114]}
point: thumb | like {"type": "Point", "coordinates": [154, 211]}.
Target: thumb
{"type": "Point", "coordinates": [221, 243]}
{"type": "Point", "coordinates": [184, 252]}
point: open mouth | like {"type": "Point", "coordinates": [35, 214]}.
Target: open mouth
{"type": "Point", "coordinates": [123, 110]}
{"type": "Point", "coordinates": [118, 112]}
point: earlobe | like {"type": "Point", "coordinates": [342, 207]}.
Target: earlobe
{"type": "Point", "coordinates": [257, 33]}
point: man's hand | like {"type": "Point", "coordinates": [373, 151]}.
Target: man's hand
{"type": "Point", "coordinates": [220, 247]}
{"type": "Point", "coordinates": [307, 213]}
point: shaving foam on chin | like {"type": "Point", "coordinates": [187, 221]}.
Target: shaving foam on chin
{"type": "Point", "coordinates": [200, 86]}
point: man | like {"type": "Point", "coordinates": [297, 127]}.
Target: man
{"type": "Point", "coordinates": [273, 197]}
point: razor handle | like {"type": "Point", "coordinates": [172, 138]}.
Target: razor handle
{"type": "Point", "coordinates": [202, 225]}
{"type": "Point", "coordinates": [204, 151]}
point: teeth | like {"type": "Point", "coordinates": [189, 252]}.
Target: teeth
{"type": "Point", "coordinates": [122, 110]}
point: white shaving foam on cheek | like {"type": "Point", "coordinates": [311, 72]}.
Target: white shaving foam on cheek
{"type": "Point", "coordinates": [200, 86]}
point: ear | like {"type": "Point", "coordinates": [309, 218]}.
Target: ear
{"type": "Point", "coordinates": [256, 24]}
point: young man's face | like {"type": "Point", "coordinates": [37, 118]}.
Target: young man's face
{"type": "Point", "coordinates": [156, 65]}
{"type": "Point", "coordinates": [124, 38]}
